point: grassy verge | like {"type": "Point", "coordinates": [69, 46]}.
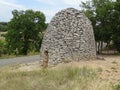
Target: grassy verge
{"type": "Point", "coordinates": [8, 56]}
{"type": "Point", "coordinates": [64, 78]}
{"type": "Point", "coordinates": [13, 56]}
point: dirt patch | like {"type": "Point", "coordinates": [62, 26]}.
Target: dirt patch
{"type": "Point", "coordinates": [109, 69]}
{"type": "Point", "coordinates": [30, 66]}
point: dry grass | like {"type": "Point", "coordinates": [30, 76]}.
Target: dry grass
{"type": "Point", "coordinates": [83, 75]}
{"type": "Point", "coordinates": [66, 78]}
{"type": "Point", "coordinates": [110, 67]}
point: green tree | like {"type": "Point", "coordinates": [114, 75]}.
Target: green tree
{"type": "Point", "coordinates": [100, 13]}
{"type": "Point", "coordinates": [24, 29]}
{"type": "Point", "coordinates": [116, 32]}
{"type": "Point", "coordinates": [3, 49]}
{"type": "Point", "coordinates": [3, 26]}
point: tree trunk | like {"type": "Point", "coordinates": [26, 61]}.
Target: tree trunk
{"type": "Point", "coordinates": [101, 44]}
{"type": "Point", "coordinates": [107, 46]}
{"type": "Point", "coordinates": [25, 48]}
{"type": "Point", "coordinates": [98, 47]}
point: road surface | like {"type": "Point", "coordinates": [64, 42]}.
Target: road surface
{"type": "Point", "coordinates": [19, 60]}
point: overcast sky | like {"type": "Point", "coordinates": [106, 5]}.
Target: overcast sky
{"type": "Point", "coordinates": [48, 7]}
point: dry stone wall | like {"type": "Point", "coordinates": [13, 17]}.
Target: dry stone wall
{"type": "Point", "coordinates": [69, 36]}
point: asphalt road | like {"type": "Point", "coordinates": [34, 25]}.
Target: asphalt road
{"type": "Point", "coordinates": [19, 60]}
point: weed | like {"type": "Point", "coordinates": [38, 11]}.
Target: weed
{"type": "Point", "coordinates": [117, 87]}
{"type": "Point", "coordinates": [64, 78]}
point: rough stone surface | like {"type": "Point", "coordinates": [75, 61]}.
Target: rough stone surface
{"type": "Point", "coordinates": [69, 36]}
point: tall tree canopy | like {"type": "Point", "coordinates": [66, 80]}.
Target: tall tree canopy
{"type": "Point", "coordinates": [100, 12]}
{"type": "Point", "coordinates": [116, 24]}
{"type": "Point", "coordinates": [24, 29]}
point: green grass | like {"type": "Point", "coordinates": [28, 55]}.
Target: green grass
{"type": "Point", "coordinates": [117, 87]}
{"type": "Point", "coordinates": [13, 56]}
{"type": "Point", "coordinates": [8, 56]}
{"type": "Point", "coordinates": [66, 78]}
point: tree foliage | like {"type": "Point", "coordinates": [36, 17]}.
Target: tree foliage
{"type": "Point", "coordinates": [102, 15]}
{"type": "Point", "coordinates": [3, 49]}
{"type": "Point", "coordinates": [116, 32]}
{"type": "Point", "coordinates": [24, 29]}
{"type": "Point", "coordinates": [3, 26]}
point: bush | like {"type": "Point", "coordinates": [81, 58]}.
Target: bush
{"type": "Point", "coordinates": [117, 87]}
{"type": "Point", "coordinates": [3, 49]}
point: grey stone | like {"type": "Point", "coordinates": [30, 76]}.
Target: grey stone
{"type": "Point", "coordinates": [69, 36]}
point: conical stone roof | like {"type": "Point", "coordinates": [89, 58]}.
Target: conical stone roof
{"type": "Point", "coordinates": [69, 36]}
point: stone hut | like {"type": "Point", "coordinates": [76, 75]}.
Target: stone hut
{"type": "Point", "coordinates": [69, 36]}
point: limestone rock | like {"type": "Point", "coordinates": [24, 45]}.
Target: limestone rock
{"type": "Point", "coordinates": [69, 36]}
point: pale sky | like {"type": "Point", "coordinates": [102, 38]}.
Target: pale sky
{"type": "Point", "coordinates": [48, 7]}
